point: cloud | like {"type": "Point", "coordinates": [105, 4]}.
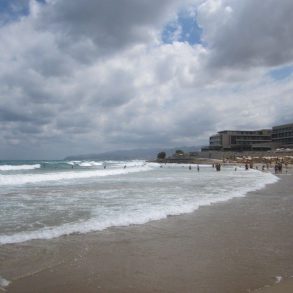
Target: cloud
{"type": "Point", "coordinates": [243, 34]}
{"type": "Point", "coordinates": [90, 76]}
{"type": "Point", "coordinates": [107, 26]}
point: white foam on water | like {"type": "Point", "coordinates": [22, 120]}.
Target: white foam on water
{"type": "Point", "coordinates": [131, 218]}
{"type": "Point", "coordinates": [90, 164]}
{"type": "Point", "coordinates": [153, 164]}
{"type": "Point", "coordinates": [120, 164]}
{"type": "Point", "coordinates": [19, 167]}
{"type": "Point", "coordinates": [176, 165]}
{"type": "Point", "coordinates": [140, 214]}
{"type": "Point", "coordinates": [278, 279]}
{"type": "Point", "coordinates": [3, 283]}
{"type": "Point", "coordinates": [18, 179]}
{"type": "Point", "coordinates": [73, 162]}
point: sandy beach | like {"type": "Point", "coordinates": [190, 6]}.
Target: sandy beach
{"type": "Point", "coordinates": [242, 245]}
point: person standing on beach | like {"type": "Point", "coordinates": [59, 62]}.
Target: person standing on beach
{"type": "Point", "coordinates": [276, 169]}
{"type": "Point", "coordinates": [197, 168]}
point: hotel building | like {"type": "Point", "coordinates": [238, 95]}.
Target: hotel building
{"type": "Point", "coordinates": [283, 135]}
{"type": "Point", "coordinates": [280, 136]}
{"type": "Point", "coordinates": [240, 140]}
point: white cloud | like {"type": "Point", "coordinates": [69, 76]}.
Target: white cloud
{"type": "Point", "coordinates": [243, 34]}
{"type": "Point", "coordinates": [77, 83]}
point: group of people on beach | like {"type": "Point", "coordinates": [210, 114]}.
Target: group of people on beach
{"type": "Point", "coordinates": [196, 168]}
{"type": "Point", "coordinates": [249, 165]}
{"type": "Point", "coordinates": [217, 166]}
{"type": "Point", "coordinates": [278, 168]}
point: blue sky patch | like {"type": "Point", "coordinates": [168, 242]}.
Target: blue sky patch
{"type": "Point", "coordinates": [281, 73]}
{"type": "Point", "coordinates": [184, 29]}
{"type": "Point", "coordinates": [11, 10]}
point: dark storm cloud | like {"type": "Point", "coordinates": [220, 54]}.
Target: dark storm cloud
{"type": "Point", "coordinates": [10, 115]}
{"type": "Point", "coordinates": [30, 129]}
{"type": "Point", "coordinates": [253, 33]}
{"type": "Point", "coordinates": [108, 25]}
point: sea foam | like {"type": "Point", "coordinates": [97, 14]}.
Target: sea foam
{"type": "Point", "coordinates": [19, 167]}
{"type": "Point", "coordinates": [3, 283]}
{"type": "Point", "coordinates": [17, 179]}
{"type": "Point", "coordinates": [143, 213]}
{"type": "Point", "coordinates": [89, 164]}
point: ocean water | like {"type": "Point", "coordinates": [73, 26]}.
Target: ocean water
{"type": "Point", "coordinates": [48, 199]}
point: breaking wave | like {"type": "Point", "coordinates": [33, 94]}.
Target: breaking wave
{"type": "Point", "coordinates": [17, 179]}
{"type": "Point", "coordinates": [19, 167]}
{"type": "Point", "coordinates": [140, 214]}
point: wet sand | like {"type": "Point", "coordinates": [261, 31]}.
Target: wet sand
{"type": "Point", "coordinates": [237, 246]}
{"type": "Point", "coordinates": [282, 287]}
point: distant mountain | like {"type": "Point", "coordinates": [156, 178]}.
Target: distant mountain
{"type": "Point", "coordinates": [140, 154]}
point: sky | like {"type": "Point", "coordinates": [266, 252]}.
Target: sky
{"type": "Point", "coordinates": [89, 76]}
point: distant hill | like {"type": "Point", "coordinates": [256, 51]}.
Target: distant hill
{"type": "Point", "coordinates": [140, 154]}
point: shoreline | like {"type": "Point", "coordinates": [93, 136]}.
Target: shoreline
{"type": "Point", "coordinates": [284, 286]}
{"type": "Point", "coordinates": [230, 191]}
{"type": "Point", "coordinates": [209, 250]}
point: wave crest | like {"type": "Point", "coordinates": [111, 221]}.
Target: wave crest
{"type": "Point", "coordinates": [19, 167]}
{"type": "Point", "coordinates": [18, 179]}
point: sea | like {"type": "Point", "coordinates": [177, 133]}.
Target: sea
{"type": "Point", "coordinates": [49, 199]}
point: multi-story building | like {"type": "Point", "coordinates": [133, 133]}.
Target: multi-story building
{"type": "Point", "coordinates": [241, 140]}
{"type": "Point", "coordinates": [280, 136]}
{"type": "Point", "coordinates": [283, 135]}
